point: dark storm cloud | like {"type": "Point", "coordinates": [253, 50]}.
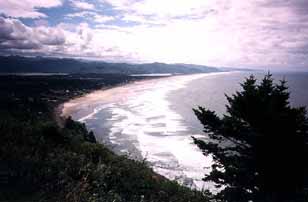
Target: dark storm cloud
{"type": "Point", "coordinates": [20, 44]}
{"type": "Point", "coordinates": [16, 35]}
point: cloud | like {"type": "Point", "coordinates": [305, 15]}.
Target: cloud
{"type": "Point", "coordinates": [68, 40]}
{"type": "Point", "coordinates": [91, 16]}
{"type": "Point", "coordinates": [164, 9]}
{"type": "Point", "coordinates": [102, 18]}
{"type": "Point", "coordinates": [83, 14]}
{"type": "Point", "coordinates": [82, 5]}
{"type": "Point", "coordinates": [227, 33]}
{"type": "Point", "coordinates": [41, 22]}
{"type": "Point", "coordinates": [220, 33]}
{"type": "Point", "coordinates": [49, 36]}
{"type": "Point", "coordinates": [16, 35]}
{"type": "Point", "coordinates": [26, 8]}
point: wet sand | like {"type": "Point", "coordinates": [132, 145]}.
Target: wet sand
{"type": "Point", "coordinates": [137, 120]}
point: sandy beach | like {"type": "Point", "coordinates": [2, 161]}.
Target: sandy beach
{"type": "Point", "coordinates": [136, 119]}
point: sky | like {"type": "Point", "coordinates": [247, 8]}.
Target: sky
{"type": "Point", "coordinates": [230, 33]}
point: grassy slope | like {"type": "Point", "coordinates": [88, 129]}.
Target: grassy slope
{"type": "Point", "coordinates": [43, 162]}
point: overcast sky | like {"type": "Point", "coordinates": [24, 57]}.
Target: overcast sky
{"type": "Point", "coordinates": [252, 33]}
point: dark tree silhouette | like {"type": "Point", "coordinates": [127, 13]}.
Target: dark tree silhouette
{"type": "Point", "coordinates": [259, 146]}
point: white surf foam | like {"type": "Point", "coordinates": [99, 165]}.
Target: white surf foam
{"type": "Point", "coordinates": [141, 114]}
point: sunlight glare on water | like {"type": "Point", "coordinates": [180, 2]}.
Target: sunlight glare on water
{"type": "Point", "coordinates": [153, 119]}
{"type": "Point", "coordinates": [140, 121]}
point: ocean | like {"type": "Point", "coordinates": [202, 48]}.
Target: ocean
{"type": "Point", "coordinates": [152, 120]}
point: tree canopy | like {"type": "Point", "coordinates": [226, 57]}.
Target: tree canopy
{"type": "Point", "coordinates": [259, 146]}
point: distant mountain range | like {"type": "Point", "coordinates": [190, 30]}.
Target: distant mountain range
{"type": "Point", "coordinates": [18, 64]}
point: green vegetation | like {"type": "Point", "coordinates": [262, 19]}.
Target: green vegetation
{"type": "Point", "coordinates": [259, 147]}
{"type": "Point", "coordinates": [40, 161]}
{"type": "Point", "coordinates": [13, 64]}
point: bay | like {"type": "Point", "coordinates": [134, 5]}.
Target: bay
{"type": "Point", "coordinates": [153, 120]}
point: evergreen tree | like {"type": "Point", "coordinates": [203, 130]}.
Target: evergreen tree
{"type": "Point", "coordinates": [259, 146]}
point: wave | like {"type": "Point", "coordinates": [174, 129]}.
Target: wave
{"type": "Point", "coordinates": [141, 120]}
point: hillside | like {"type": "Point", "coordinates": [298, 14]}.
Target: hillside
{"type": "Point", "coordinates": [18, 64]}
{"type": "Point", "coordinates": [41, 161]}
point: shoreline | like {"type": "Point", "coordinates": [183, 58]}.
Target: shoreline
{"type": "Point", "coordinates": [62, 113]}
{"type": "Point", "coordinates": [76, 163]}
{"type": "Point", "coordinates": [59, 114]}
{"type": "Point", "coordinates": [95, 98]}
